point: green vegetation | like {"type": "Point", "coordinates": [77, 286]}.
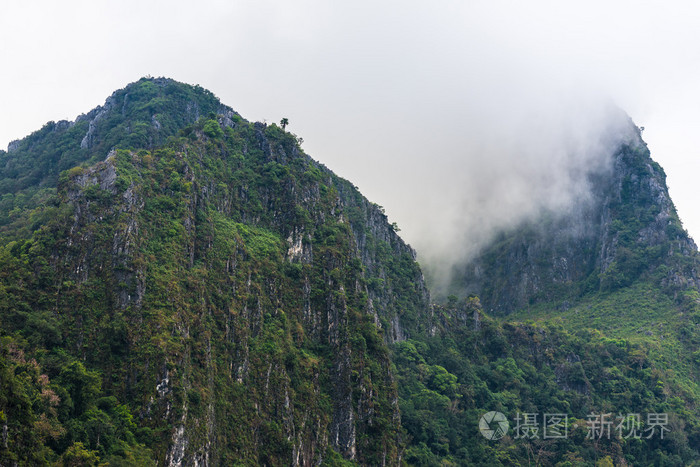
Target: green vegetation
{"type": "Point", "coordinates": [61, 408]}
{"type": "Point", "coordinates": [641, 314]}
{"type": "Point", "coordinates": [177, 283]}
{"type": "Point", "coordinates": [447, 382]}
{"type": "Point", "coordinates": [143, 115]}
{"type": "Point", "coordinates": [166, 280]}
{"type": "Point", "coordinates": [618, 276]}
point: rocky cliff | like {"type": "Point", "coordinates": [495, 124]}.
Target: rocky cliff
{"type": "Point", "coordinates": [626, 230]}
{"type": "Point", "coordinates": [236, 294]}
{"type": "Point", "coordinates": [193, 289]}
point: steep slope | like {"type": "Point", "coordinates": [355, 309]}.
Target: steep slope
{"type": "Point", "coordinates": [235, 295]}
{"type": "Point", "coordinates": [594, 310]}
{"type": "Point", "coordinates": [193, 289]}
{"type": "Point", "coordinates": [617, 265]}
{"type": "Point", "coordinates": [628, 231]}
{"type": "Point", "coordinates": [473, 363]}
{"type": "Point", "coordinates": [620, 262]}
{"type": "Point", "coordinates": [141, 116]}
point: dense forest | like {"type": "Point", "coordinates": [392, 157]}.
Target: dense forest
{"type": "Point", "coordinates": [179, 286]}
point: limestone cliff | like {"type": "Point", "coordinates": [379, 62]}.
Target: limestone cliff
{"type": "Point", "coordinates": [626, 230]}
{"type": "Point", "coordinates": [236, 294]}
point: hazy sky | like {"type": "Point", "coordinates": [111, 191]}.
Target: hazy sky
{"type": "Point", "coordinates": [450, 114]}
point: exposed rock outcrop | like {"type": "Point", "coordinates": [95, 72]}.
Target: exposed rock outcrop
{"type": "Point", "coordinates": [626, 229]}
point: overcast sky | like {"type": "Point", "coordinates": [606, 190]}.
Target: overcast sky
{"type": "Point", "coordinates": [425, 106]}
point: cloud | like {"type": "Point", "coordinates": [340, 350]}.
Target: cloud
{"type": "Point", "coordinates": [510, 155]}
{"type": "Point", "coordinates": [458, 117]}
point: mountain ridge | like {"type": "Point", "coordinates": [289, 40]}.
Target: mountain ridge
{"type": "Point", "coordinates": [127, 243]}
{"type": "Point", "coordinates": [629, 229]}
{"type": "Point", "coordinates": [217, 297]}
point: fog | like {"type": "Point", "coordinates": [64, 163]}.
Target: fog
{"type": "Point", "coordinates": [497, 166]}
{"type": "Point", "coordinates": [460, 118]}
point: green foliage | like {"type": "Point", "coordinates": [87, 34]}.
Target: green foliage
{"type": "Point", "coordinates": [181, 266]}
{"type": "Point", "coordinates": [142, 115]}
{"type": "Point", "coordinates": [61, 420]}
{"type": "Point", "coordinates": [210, 279]}
{"type": "Point", "coordinates": [212, 129]}
{"type": "Point", "coordinates": [448, 381]}
{"type": "Point", "coordinates": [82, 386]}
{"type": "Point", "coordinates": [78, 456]}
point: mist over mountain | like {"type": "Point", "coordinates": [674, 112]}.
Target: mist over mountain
{"type": "Point", "coordinates": [181, 286]}
{"type": "Point", "coordinates": [510, 171]}
{"type": "Point", "coordinates": [621, 229]}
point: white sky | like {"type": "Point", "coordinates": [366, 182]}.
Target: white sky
{"type": "Point", "coordinates": [396, 96]}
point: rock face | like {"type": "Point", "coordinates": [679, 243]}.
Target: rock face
{"type": "Point", "coordinates": [220, 298]}
{"type": "Point", "coordinates": [627, 230]}
{"type": "Point", "coordinates": [142, 115]}
{"type": "Point", "coordinates": [236, 293]}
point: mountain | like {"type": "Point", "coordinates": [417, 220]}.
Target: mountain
{"type": "Point", "coordinates": [142, 116]}
{"type": "Point", "coordinates": [223, 283]}
{"type": "Point", "coordinates": [179, 286]}
{"type": "Point", "coordinates": [619, 261]}
{"type": "Point", "coordinates": [627, 232]}
{"type": "Point", "coordinates": [616, 264]}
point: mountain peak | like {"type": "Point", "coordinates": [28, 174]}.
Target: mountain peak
{"type": "Point", "coordinates": [180, 286]}
{"type": "Point", "coordinates": [626, 230]}
{"type": "Point", "coordinates": [217, 276]}
{"type": "Point", "coordinates": [141, 115]}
